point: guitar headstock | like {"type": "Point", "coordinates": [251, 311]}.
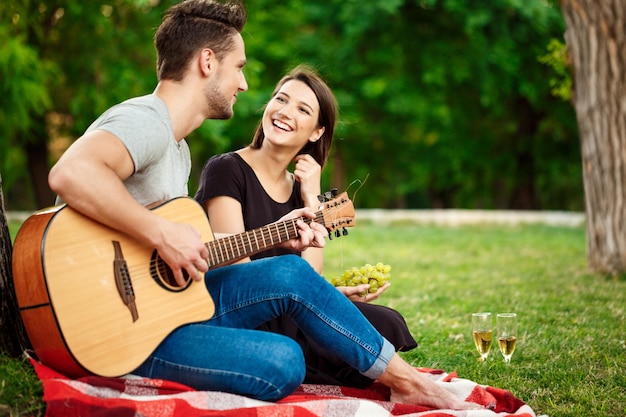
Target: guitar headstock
{"type": "Point", "coordinates": [336, 213]}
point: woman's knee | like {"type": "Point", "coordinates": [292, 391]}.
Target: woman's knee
{"type": "Point", "coordinates": [291, 270]}
{"type": "Point", "coordinates": [287, 263]}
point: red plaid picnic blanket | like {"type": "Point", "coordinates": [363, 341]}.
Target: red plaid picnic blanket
{"type": "Point", "coordinates": [143, 397]}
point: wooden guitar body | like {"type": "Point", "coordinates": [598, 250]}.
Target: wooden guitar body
{"type": "Point", "coordinates": [63, 273]}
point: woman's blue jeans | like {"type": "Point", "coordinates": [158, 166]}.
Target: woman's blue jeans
{"type": "Point", "coordinates": [227, 354]}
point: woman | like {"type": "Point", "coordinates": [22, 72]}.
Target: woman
{"type": "Point", "coordinates": [253, 186]}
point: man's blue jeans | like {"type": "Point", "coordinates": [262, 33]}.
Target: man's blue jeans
{"type": "Point", "coordinates": [227, 354]}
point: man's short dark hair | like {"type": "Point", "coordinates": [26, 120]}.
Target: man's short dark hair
{"type": "Point", "coordinates": [193, 25]}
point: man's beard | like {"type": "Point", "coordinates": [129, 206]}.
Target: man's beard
{"type": "Point", "coordinates": [218, 107]}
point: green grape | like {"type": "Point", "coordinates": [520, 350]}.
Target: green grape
{"type": "Point", "coordinates": [375, 275]}
{"type": "Point", "coordinates": [373, 286]}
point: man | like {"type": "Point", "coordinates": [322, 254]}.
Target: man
{"type": "Point", "coordinates": [135, 155]}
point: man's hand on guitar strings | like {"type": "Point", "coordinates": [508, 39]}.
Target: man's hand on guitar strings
{"type": "Point", "coordinates": [182, 249]}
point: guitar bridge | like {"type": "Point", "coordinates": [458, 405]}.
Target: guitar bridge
{"type": "Point", "coordinates": [123, 282]}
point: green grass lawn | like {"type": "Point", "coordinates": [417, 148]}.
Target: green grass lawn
{"type": "Point", "coordinates": [571, 352]}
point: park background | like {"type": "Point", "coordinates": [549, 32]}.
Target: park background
{"type": "Point", "coordinates": [443, 104]}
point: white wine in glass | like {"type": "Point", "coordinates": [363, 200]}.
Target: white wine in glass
{"type": "Point", "coordinates": [507, 334]}
{"type": "Point", "coordinates": [482, 332]}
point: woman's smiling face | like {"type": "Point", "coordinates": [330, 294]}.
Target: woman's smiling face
{"type": "Point", "coordinates": [291, 116]}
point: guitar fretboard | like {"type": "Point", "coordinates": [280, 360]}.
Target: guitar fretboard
{"type": "Point", "coordinates": [239, 246]}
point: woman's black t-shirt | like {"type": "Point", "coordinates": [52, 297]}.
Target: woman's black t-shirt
{"type": "Point", "coordinates": [229, 175]}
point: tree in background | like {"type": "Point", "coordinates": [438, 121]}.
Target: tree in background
{"type": "Point", "coordinates": [596, 39]}
{"type": "Point", "coordinates": [13, 339]}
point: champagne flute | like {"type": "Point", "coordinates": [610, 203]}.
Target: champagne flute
{"type": "Point", "coordinates": [483, 333]}
{"type": "Point", "coordinates": [507, 334]}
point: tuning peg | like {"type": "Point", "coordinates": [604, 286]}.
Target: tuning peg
{"type": "Point", "coordinates": [337, 233]}
{"type": "Point", "coordinates": [334, 192]}
{"type": "Point", "coordinates": [344, 232]}
{"type": "Point", "coordinates": [321, 198]}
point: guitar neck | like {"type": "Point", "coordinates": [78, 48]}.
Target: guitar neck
{"type": "Point", "coordinates": [239, 246]}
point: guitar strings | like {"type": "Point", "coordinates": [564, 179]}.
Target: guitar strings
{"type": "Point", "coordinates": [361, 184]}
{"type": "Point", "coordinates": [277, 232]}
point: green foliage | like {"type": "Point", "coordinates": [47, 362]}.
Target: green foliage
{"type": "Point", "coordinates": [75, 60]}
{"type": "Point", "coordinates": [556, 58]}
{"type": "Point", "coordinates": [21, 76]}
{"type": "Point", "coordinates": [444, 103]}
{"type": "Point", "coordinates": [24, 99]}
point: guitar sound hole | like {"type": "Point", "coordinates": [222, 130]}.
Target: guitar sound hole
{"type": "Point", "coordinates": [162, 274]}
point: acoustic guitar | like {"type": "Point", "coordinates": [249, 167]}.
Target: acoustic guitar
{"type": "Point", "coordinates": [96, 301]}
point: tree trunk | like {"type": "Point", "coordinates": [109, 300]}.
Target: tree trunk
{"type": "Point", "coordinates": [13, 339]}
{"type": "Point", "coordinates": [338, 173]}
{"type": "Point", "coordinates": [596, 39]}
{"type": "Point", "coordinates": [37, 159]}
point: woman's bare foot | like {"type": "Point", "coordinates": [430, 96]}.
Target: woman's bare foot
{"type": "Point", "coordinates": [409, 386]}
